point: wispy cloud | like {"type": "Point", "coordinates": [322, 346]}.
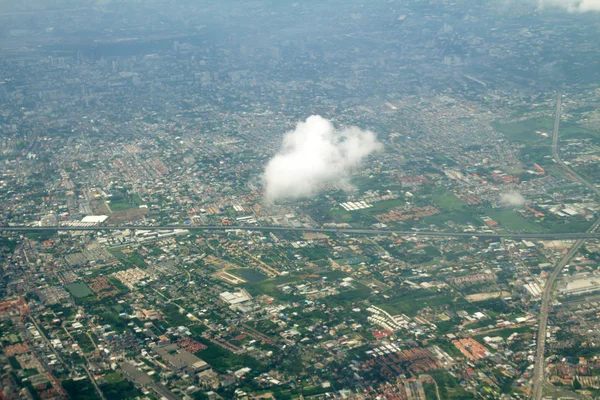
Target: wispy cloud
{"type": "Point", "coordinates": [572, 5]}
{"type": "Point", "coordinates": [512, 199]}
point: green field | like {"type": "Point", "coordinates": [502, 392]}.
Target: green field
{"type": "Point", "coordinates": [525, 131]}
{"type": "Point", "coordinates": [346, 298]}
{"type": "Point", "coordinates": [452, 209]}
{"type": "Point", "coordinates": [537, 147]}
{"type": "Point", "coordinates": [137, 261]}
{"type": "Point", "coordinates": [411, 301]}
{"type": "Point", "coordinates": [39, 236]}
{"type": "Point", "coordinates": [385, 205]}
{"type": "Point", "coordinates": [120, 205]}
{"type": "Point", "coordinates": [129, 258]}
{"type": "Point", "coordinates": [448, 202]}
{"type": "Point", "coordinates": [79, 289]}
{"type": "Point", "coordinates": [340, 215]}
{"type": "Point", "coordinates": [579, 226]}
{"type": "Point", "coordinates": [222, 360]}
{"type": "Point", "coordinates": [314, 253]}
{"type": "Point", "coordinates": [569, 130]}
{"type": "Point", "coordinates": [116, 252]}
{"type": "Point", "coordinates": [269, 287]}
{"type": "Point", "coordinates": [513, 221]}
{"type": "Point", "coordinates": [249, 275]}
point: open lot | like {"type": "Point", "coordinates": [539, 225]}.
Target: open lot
{"type": "Point", "coordinates": [79, 289]}
{"type": "Point", "coordinates": [249, 275]}
{"type": "Point", "coordinates": [513, 221]}
{"type": "Point", "coordinates": [525, 131]}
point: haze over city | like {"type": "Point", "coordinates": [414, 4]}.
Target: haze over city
{"type": "Point", "coordinates": [274, 199]}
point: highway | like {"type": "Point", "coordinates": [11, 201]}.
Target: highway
{"type": "Point", "coordinates": [349, 231]}
{"type": "Point", "coordinates": [539, 369]}
{"type": "Point", "coordinates": [555, 154]}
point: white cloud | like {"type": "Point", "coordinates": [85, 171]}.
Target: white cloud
{"type": "Point", "coordinates": [512, 199]}
{"type": "Point", "coordinates": [572, 5]}
{"type": "Point", "coordinates": [314, 154]}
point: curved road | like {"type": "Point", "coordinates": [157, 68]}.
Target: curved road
{"type": "Point", "coordinates": [539, 370]}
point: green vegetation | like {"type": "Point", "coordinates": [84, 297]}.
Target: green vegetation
{"type": "Point", "coordinates": [269, 287]}
{"type": "Point", "coordinates": [385, 205]}
{"type": "Point", "coordinates": [113, 319]}
{"type": "Point", "coordinates": [120, 203]}
{"type": "Point", "coordinates": [173, 316]}
{"type": "Point", "coordinates": [14, 363]}
{"type": "Point", "coordinates": [449, 387]}
{"type": "Point", "coordinates": [222, 360]}
{"type": "Point", "coordinates": [118, 388]}
{"type": "Point", "coordinates": [448, 201]}
{"type": "Point", "coordinates": [137, 261]}
{"type": "Point", "coordinates": [448, 347]}
{"type": "Point", "coordinates": [7, 245]}
{"type": "Point", "coordinates": [137, 200]}
{"type": "Point", "coordinates": [84, 342]}
{"type": "Point", "coordinates": [348, 297]}
{"type": "Point", "coordinates": [364, 216]}
{"type": "Point", "coordinates": [39, 235]}
{"type": "Point", "coordinates": [571, 130]}
{"type": "Point", "coordinates": [448, 326]}
{"type": "Point", "coordinates": [430, 392]}
{"type": "Point", "coordinates": [536, 147]}
{"type": "Point", "coordinates": [332, 275]}
{"type": "Point", "coordinates": [118, 253]}
{"type": "Point", "coordinates": [409, 302]}
{"type": "Point", "coordinates": [340, 215]}
{"type": "Point", "coordinates": [119, 285]}
{"type": "Point", "coordinates": [128, 258]}
{"type": "Point", "coordinates": [513, 221]}
{"type": "Point", "coordinates": [314, 390]}
{"type": "Point", "coordinates": [314, 253]}
{"type": "Point", "coordinates": [81, 389]}
{"type": "Point", "coordinates": [571, 226]}
{"type": "Point", "coordinates": [452, 209]}
{"type": "Point", "coordinates": [414, 256]}
{"type": "Point", "coordinates": [525, 131]}
{"type": "Point", "coordinates": [248, 274]}
{"type": "Point", "coordinates": [79, 289]}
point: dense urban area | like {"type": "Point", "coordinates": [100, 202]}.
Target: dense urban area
{"type": "Point", "coordinates": [141, 257]}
